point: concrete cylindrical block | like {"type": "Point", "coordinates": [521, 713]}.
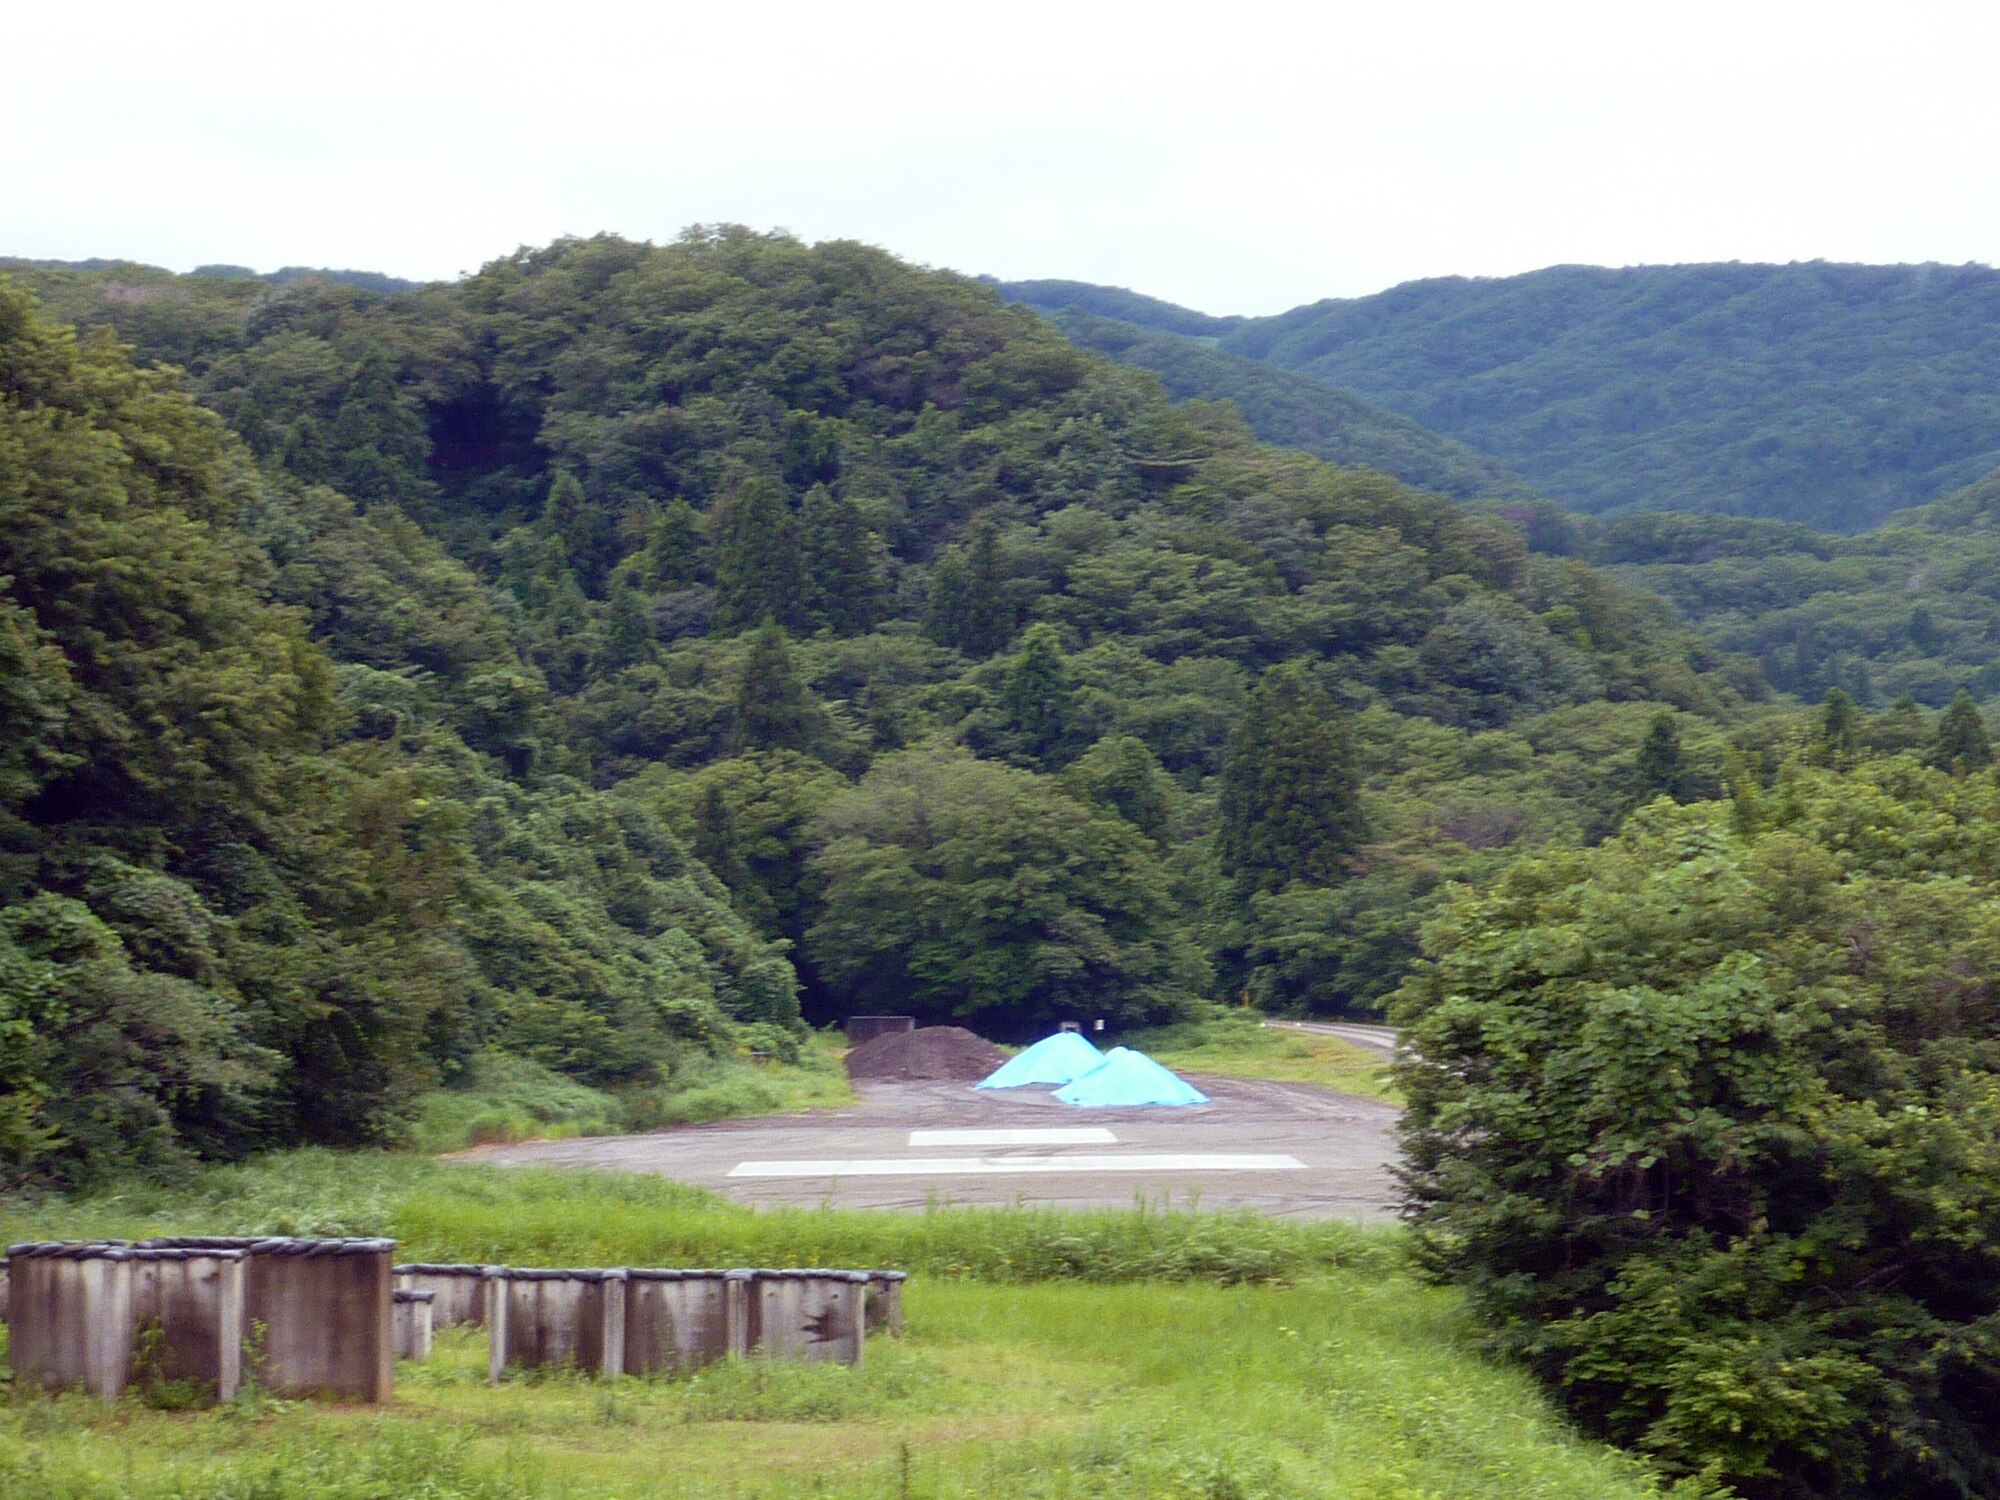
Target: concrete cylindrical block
{"type": "Point", "coordinates": [562, 1319]}
{"type": "Point", "coordinates": [675, 1320]}
{"type": "Point", "coordinates": [461, 1291]}
{"type": "Point", "coordinates": [807, 1315]}
{"type": "Point", "coordinates": [71, 1315]}
{"type": "Point", "coordinates": [883, 1307]}
{"type": "Point", "coordinates": [317, 1314]}
{"type": "Point", "coordinates": [411, 1322]}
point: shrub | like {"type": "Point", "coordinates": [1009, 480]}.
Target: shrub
{"type": "Point", "coordinates": [1708, 1124]}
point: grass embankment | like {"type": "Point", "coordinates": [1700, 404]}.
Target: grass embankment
{"type": "Point", "coordinates": [1126, 1354]}
{"type": "Point", "coordinates": [1239, 1045]}
{"type": "Point", "coordinates": [502, 1099]}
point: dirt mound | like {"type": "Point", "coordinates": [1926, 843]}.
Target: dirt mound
{"type": "Point", "coordinates": [928, 1052]}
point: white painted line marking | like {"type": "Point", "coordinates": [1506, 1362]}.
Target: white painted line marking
{"type": "Point", "coordinates": [1095, 1135]}
{"type": "Point", "coordinates": [978, 1166]}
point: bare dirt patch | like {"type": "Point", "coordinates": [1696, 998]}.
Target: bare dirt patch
{"type": "Point", "coordinates": [947, 1053]}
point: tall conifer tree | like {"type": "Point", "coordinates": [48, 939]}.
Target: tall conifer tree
{"type": "Point", "coordinates": [1291, 799]}
{"type": "Point", "coordinates": [1962, 743]}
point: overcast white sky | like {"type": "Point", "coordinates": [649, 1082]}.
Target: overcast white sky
{"type": "Point", "coordinates": [1236, 158]}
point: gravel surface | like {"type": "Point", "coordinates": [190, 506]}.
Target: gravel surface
{"type": "Point", "coordinates": [1344, 1143]}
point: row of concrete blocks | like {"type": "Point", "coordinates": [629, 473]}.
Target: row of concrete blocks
{"type": "Point", "coordinates": [315, 1316]}
{"type": "Point", "coordinates": [329, 1317]}
{"type": "Point", "coordinates": [627, 1321]}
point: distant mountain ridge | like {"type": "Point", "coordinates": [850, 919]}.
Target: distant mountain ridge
{"type": "Point", "coordinates": [367, 281]}
{"type": "Point", "coordinates": [1292, 410]}
{"type": "Point", "coordinates": [1828, 394]}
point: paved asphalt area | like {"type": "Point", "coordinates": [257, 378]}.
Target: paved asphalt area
{"type": "Point", "coordinates": [1285, 1149]}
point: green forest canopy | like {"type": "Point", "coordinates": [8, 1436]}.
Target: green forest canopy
{"type": "Point", "coordinates": [1824, 394]}
{"type": "Point", "coordinates": [613, 552]}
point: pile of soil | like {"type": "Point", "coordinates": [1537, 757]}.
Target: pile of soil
{"type": "Point", "coordinates": [946, 1052]}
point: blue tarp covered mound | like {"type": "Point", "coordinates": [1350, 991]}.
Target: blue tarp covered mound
{"type": "Point", "coordinates": [1054, 1059]}
{"type": "Point", "coordinates": [1128, 1077]}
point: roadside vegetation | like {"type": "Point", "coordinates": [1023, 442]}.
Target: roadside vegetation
{"type": "Point", "coordinates": [1126, 1353]}
{"type": "Point", "coordinates": [499, 1099]}
{"type": "Point", "coordinates": [1237, 1044]}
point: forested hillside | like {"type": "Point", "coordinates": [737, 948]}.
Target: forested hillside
{"type": "Point", "coordinates": [1828, 395]}
{"type": "Point", "coordinates": [1291, 410]}
{"type": "Point", "coordinates": [985, 681]}
{"type": "Point", "coordinates": [1909, 609]}
{"type": "Point", "coordinates": [262, 873]}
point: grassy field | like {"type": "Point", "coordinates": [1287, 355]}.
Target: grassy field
{"type": "Point", "coordinates": [1239, 1045]}
{"type": "Point", "coordinates": [504, 1099]}
{"type": "Point", "coordinates": [1132, 1354]}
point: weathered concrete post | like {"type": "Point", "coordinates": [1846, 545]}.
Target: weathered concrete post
{"type": "Point", "coordinates": [317, 1313]}
{"type": "Point", "coordinates": [461, 1291]}
{"type": "Point", "coordinates": [71, 1315]}
{"type": "Point", "coordinates": [611, 1340]}
{"type": "Point", "coordinates": [187, 1307]}
{"type": "Point", "coordinates": [3, 1291]}
{"type": "Point", "coordinates": [413, 1311]}
{"type": "Point", "coordinates": [564, 1319]}
{"type": "Point", "coordinates": [675, 1320]}
{"type": "Point", "coordinates": [737, 1312]}
{"type": "Point", "coordinates": [884, 1305]}
{"type": "Point", "coordinates": [807, 1315]}
{"type": "Point", "coordinates": [495, 1286]}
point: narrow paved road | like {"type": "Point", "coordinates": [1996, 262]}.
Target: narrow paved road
{"type": "Point", "coordinates": [1380, 1038]}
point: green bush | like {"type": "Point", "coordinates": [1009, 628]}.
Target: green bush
{"type": "Point", "coordinates": [1708, 1124]}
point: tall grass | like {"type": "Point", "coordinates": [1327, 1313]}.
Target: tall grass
{"type": "Point", "coordinates": [533, 1216]}
{"type": "Point", "coordinates": [501, 1099]}
{"type": "Point", "coordinates": [1346, 1386]}
{"type": "Point", "coordinates": [1120, 1353]}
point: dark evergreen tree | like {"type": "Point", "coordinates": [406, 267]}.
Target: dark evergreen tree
{"type": "Point", "coordinates": [628, 626]}
{"type": "Point", "coordinates": [758, 568]}
{"type": "Point", "coordinates": [843, 564]}
{"type": "Point", "coordinates": [1839, 729]}
{"type": "Point", "coordinates": [714, 841]}
{"type": "Point", "coordinates": [1962, 743]}
{"type": "Point", "coordinates": [1290, 799]}
{"type": "Point", "coordinates": [1924, 632]}
{"type": "Point", "coordinates": [774, 709]}
{"type": "Point", "coordinates": [1038, 700]}
{"type": "Point", "coordinates": [1659, 771]}
{"type": "Point", "coordinates": [673, 554]}
{"type": "Point", "coordinates": [967, 607]}
{"type": "Point", "coordinates": [582, 530]}
{"type": "Point", "coordinates": [378, 445]}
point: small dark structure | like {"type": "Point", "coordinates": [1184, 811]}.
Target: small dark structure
{"type": "Point", "coordinates": [862, 1029]}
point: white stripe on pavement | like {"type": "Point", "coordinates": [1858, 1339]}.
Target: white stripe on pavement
{"type": "Point", "coordinates": [982, 1166]}
{"type": "Point", "coordinates": [1084, 1136]}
